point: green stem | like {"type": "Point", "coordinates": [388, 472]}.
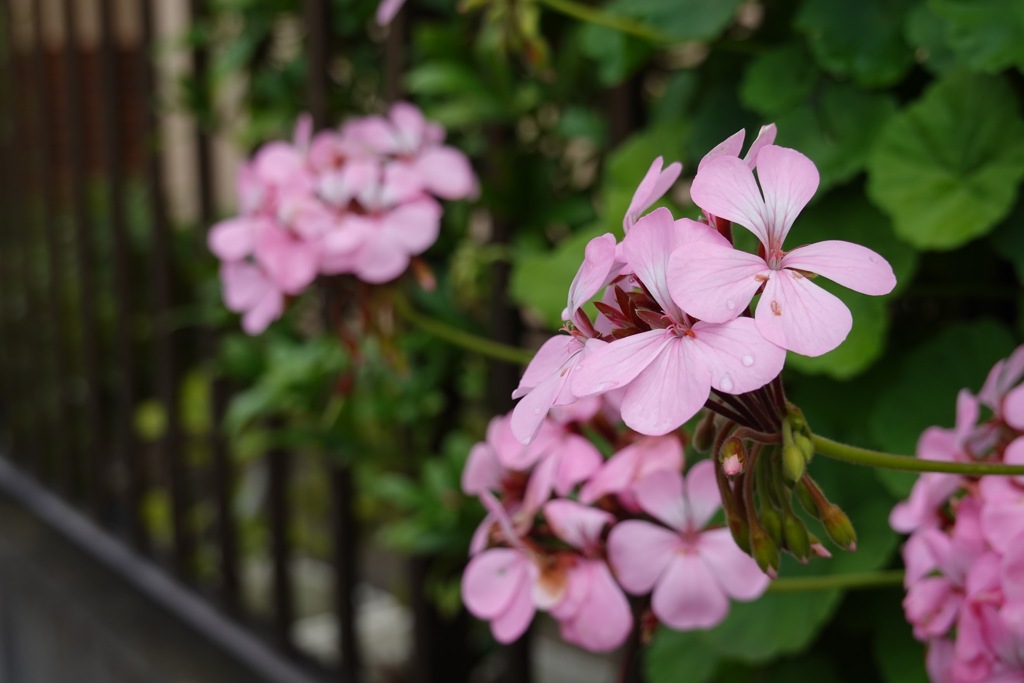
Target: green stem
{"type": "Point", "coordinates": [801, 584]}
{"type": "Point", "coordinates": [863, 456]}
{"type": "Point", "coordinates": [593, 15]}
{"type": "Point", "coordinates": [466, 340]}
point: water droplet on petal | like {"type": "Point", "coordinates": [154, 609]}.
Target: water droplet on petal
{"type": "Point", "coordinates": [726, 382]}
{"type": "Point", "coordinates": [873, 259]}
{"type": "Point", "coordinates": [748, 360]}
{"type": "Point", "coordinates": [730, 304]}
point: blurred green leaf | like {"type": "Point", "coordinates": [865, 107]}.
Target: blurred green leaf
{"type": "Point", "coordinates": [778, 80]}
{"type": "Point", "coordinates": [946, 168]}
{"type": "Point", "coordinates": [899, 655]}
{"type": "Point", "coordinates": [618, 55]}
{"type": "Point", "coordinates": [987, 35]}
{"type": "Point", "coordinates": [680, 19]}
{"type": "Point", "coordinates": [861, 40]}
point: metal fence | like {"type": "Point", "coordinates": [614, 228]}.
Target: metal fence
{"type": "Point", "coordinates": [87, 302]}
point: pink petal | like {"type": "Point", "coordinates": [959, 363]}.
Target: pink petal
{"type": "Point", "coordinates": [646, 456]}
{"type": "Point", "coordinates": [614, 365]}
{"type": "Point", "coordinates": [233, 239]}
{"type": "Point", "coordinates": [725, 187]}
{"type": "Point", "coordinates": [788, 181]}
{"type": "Point", "coordinates": [597, 269]}
{"type": "Point", "coordinates": [482, 470]}
{"type": "Point", "coordinates": [409, 125]}
{"type": "Point", "coordinates": [670, 390]}
{"type": "Point", "coordinates": [931, 606]}
{"type": "Point", "coordinates": [513, 622]}
{"type": "Point", "coordinates": [1002, 523]}
{"type": "Point", "coordinates": [730, 147]}
{"type": "Point", "coordinates": [688, 596]}
{"type": "Point", "coordinates": [765, 137]}
{"type": "Point", "coordinates": [653, 186]}
{"type": "Point", "coordinates": [1003, 376]}
{"type": "Point", "coordinates": [414, 226]}
{"type": "Point", "coordinates": [380, 259]}
{"type": "Point", "coordinates": [529, 414]}
{"type": "Point", "coordinates": [662, 496]}
{"type": "Point", "coordinates": [265, 311]}
{"type": "Point", "coordinates": [540, 485]}
{"type": "Point", "coordinates": [578, 525]}
{"type": "Point", "coordinates": [639, 552]}
{"type": "Point", "coordinates": [798, 315]}
{"type": "Point", "coordinates": [647, 248]}
{"type": "Point", "coordinates": [702, 497]}
{"type": "Point", "coordinates": [604, 620]}
{"type": "Point", "coordinates": [739, 358]}
{"type": "Point", "coordinates": [492, 579]}
{"type": "Point", "coordinates": [735, 571]}
{"type": "Point", "coordinates": [244, 285]}
{"type": "Point", "coordinates": [1013, 407]}
{"type": "Point", "coordinates": [548, 360]}
{"type": "Point", "coordinates": [714, 282]}
{"type": "Point", "coordinates": [850, 265]}
{"type": "Point", "coordinates": [290, 263]}
{"type": "Point", "coordinates": [577, 460]}
{"type": "Point", "coordinates": [445, 172]}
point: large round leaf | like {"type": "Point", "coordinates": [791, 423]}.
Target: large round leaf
{"type": "Point", "coordinates": [947, 168]}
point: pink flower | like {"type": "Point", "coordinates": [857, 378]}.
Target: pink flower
{"type": "Point", "coordinates": [715, 282]}
{"type": "Point", "coordinates": [732, 145]}
{"type": "Point", "coordinates": [693, 570]}
{"type": "Point", "coordinates": [247, 290]}
{"type": "Point", "coordinates": [669, 371]}
{"type": "Point", "coordinates": [386, 11]}
{"type": "Point", "coordinates": [632, 464]}
{"type": "Point", "coordinates": [593, 613]}
{"type": "Point", "coordinates": [546, 380]}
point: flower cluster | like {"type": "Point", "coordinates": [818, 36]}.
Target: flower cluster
{"type": "Point", "coordinates": [632, 524]}
{"type": "Point", "coordinates": [359, 200]}
{"type": "Point", "coordinates": [673, 322]}
{"type": "Point", "coordinates": [673, 334]}
{"type": "Point", "coordinates": [965, 555]}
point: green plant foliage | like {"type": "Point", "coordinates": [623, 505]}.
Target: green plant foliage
{"type": "Point", "coordinates": [987, 35]}
{"type": "Point", "coordinates": [859, 40]}
{"type": "Point", "coordinates": [778, 80]}
{"type": "Point", "coordinates": [947, 167]}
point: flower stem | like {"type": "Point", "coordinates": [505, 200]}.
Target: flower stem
{"type": "Point", "coordinates": [466, 340]}
{"type": "Point", "coordinates": [799, 584]}
{"type": "Point", "coordinates": [593, 15]}
{"type": "Point", "coordinates": [863, 456]}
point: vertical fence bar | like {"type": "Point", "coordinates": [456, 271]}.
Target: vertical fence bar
{"type": "Point", "coordinates": [126, 446]}
{"type": "Point", "coordinates": [343, 523]}
{"type": "Point", "coordinates": [280, 548]}
{"type": "Point", "coordinates": [7, 284]}
{"type": "Point", "coordinates": [84, 229]}
{"type": "Point", "coordinates": [171, 453]}
{"type": "Point", "coordinates": [61, 457]}
{"type": "Point", "coordinates": [223, 471]}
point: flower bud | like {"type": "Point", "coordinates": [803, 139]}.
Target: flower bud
{"type": "Point", "coordinates": [805, 445]}
{"type": "Point", "coordinates": [772, 523]}
{"type": "Point", "coordinates": [740, 532]}
{"type": "Point", "coordinates": [839, 527]}
{"type": "Point", "coordinates": [797, 539]}
{"type": "Point", "coordinates": [793, 463]}
{"type": "Point", "coordinates": [732, 456]}
{"type": "Point", "coordinates": [806, 500]}
{"type": "Point", "coordinates": [704, 435]}
{"type": "Point", "coordinates": [765, 551]}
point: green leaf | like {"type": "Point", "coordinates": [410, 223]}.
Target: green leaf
{"type": "Point", "coordinates": [778, 80]}
{"type": "Point", "coordinates": [837, 130]}
{"type": "Point", "coordinates": [926, 32]}
{"type": "Point", "coordinates": [540, 280]}
{"type": "Point", "coordinates": [923, 391]}
{"type": "Point", "coordinates": [1008, 239]}
{"type": "Point", "coordinates": [618, 55]}
{"type": "Point", "coordinates": [946, 168]}
{"type": "Point", "coordinates": [674, 652]}
{"type": "Point", "coordinates": [626, 166]}
{"type": "Point", "coordinates": [987, 35]}
{"type": "Point", "coordinates": [899, 655]}
{"type": "Point", "coordinates": [680, 19]}
{"type": "Point", "coordinates": [860, 40]}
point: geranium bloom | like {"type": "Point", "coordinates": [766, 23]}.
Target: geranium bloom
{"type": "Point", "coordinates": [594, 613]}
{"type": "Point", "coordinates": [669, 370]}
{"type": "Point", "coordinates": [546, 380]}
{"type": "Point", "coordinates": [652, 188]}
{"type": "Point", "coordinates": [247, 290]}
{"type": "Point", "coordinates": [693, 570]}
{"type": "Point", "coordinates": [715, 282]}
{"type": "Point", "coordinates": [632, 464]}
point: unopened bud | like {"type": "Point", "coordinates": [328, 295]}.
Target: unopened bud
{"type": "Point", "coordinates": [797, 539]}
{"type": "Point", "coordinates": [732, 456]}
{"type": "Point", "coordinates": [740, 532]}
{"type": "Point", "coordinates": [806, 445]}
{"type": "Point", "coordinates": [704, 435]}
{"type": "Point", "coordinates": [806, 500]}
{"type": "Point", "coordinates": [793, 463]}
{"type": "Point", "coordinates": [772, 523]}
{"type": "Point", "coordinates": [765, 551]}
{"type": "Point", "coordinates": [818, 548]}
{"type": "Point", "coordinates": [839, 527]}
